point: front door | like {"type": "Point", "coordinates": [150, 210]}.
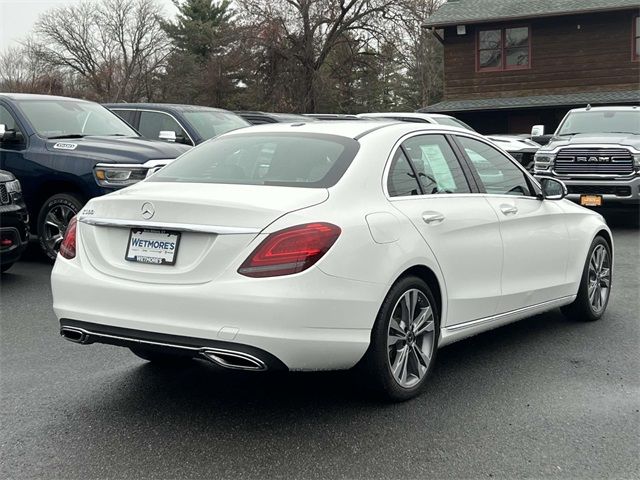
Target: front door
{"type": "Point", "coordinates": [534, 233]}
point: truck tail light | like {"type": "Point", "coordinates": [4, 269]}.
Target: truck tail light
{"type": "Point", "coordinates": [291, 250]}
{"type": "Point", "coordinates": [68, 245]}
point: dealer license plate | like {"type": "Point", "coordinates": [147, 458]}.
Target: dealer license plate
{"type": "Point", "coordinates": [159, 247]}
{"type": "Point", "coordinates": [591, 200]}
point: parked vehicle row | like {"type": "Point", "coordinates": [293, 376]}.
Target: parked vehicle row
{"type": "Point", "coordinates": [328, 245]}
{"type": "Point", "coordinates": [65, 151]}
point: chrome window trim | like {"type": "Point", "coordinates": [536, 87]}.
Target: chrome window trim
{"type": "Point", "coordinates": [193, 144]}
{"type": "Point", "coordinates": [460, 132]}
{"type": "Point", "coordinates": [181, 227]}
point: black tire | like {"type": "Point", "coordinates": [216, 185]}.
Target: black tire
{"type": "Point", "coordinates": [64, 206]}
{"type": "Point", "coordinates": [160, 356]}
{"type": "Point", "coordinates": [376, 364]}
{"type": "Point", "coordinates": [582, 309]}
{"type": "Point", "coordinates": [5, 266]}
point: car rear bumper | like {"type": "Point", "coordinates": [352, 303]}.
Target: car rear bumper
{"type": "Point", "coordinates": [308, 321]}
{"type": "Point", "coordinates": [612, 191]}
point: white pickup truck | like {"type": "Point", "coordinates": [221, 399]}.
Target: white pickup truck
{"type": "Point", "coordinates": [596, 152]}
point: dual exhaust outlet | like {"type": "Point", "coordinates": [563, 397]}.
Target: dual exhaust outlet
{"type": "Point", "coordinates": [230, 359]}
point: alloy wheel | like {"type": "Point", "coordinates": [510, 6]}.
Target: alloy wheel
{"type": "Point", "coordinates": [599, 278]}
{"type": "Point", "coordinates": [410, 338]}
{"type": "Point", "coordinates": [55, 225]}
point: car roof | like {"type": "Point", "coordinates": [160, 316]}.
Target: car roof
{"type": "Point", "coordinates": [404, 114]}
{"type": "Point", "coordinates": [617, 108]}
{"type": "Point", "coordinates": [343, 128]}
{"type": "Point", "coordinates": [163, 106]}
{"type": "Point", "coordinates": [35, 96]}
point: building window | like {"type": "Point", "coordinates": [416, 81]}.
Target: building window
{"type": "Point", "coordinates": [636, 38]}
{"type": "Point", "coordinates": [503, 49]}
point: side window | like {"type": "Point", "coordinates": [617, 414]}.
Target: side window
{"type": "Point", "coordinates": [401, 181]}
{"type": "Point", "coordinates": [7, 119]}
{"type": "Point", "coordinates": [498, 174]}
{"type": "Point", "coordinates": [152, 123]}
{"type": "Point", "coordinates": [126, 115]}
{"type": "Point", "coordinates": [436, 164]}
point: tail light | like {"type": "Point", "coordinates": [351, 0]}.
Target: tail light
{"type": "Point", "coordinates": [68, 245]}
{"type": "Point", "coordinates": [291, 250]}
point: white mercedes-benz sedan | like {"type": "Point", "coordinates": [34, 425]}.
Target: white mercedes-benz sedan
{"type": "Point", "coordinates": [328, 245]}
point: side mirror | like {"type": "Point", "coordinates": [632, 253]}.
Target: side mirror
{"type": "Point", "coordinates": [10, 136]}
{"type": "Point", "coordinates": [167, 135]}
{"type": "Point", "coordinates": [553, 189]}
{"type": "Point", "coordinates": [537, 130]}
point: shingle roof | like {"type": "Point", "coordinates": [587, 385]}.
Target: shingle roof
{"type": "Point", "coordinates": [571, 99]}
{"type": "Point", "coordinates": [473, 11]}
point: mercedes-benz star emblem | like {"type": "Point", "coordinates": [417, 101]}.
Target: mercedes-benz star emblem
{"type": "Point", "coordinates": [147, 210]}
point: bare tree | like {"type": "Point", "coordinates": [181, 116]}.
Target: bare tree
{"type": "Point", "coordinates": [116, 47]}
{"type": "Point", "coordinates": [313, 28]}
{"type": "Point", "coordinates": [418, 52]}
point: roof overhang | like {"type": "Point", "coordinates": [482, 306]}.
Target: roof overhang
{"type": "Point", "coordinates": [538, 101]}
{"type": "Point", "coordinates": [509, 18]}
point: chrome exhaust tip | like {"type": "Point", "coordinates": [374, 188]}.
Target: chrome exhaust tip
{"type": "Point", "coordinates": [74, 335]}
{"type": "Point", "coordinates": [234, 360]}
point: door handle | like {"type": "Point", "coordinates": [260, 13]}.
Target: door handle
{"type": "Point", "coordinates": [508, 209]}
{"type": "Point", "coordinates": [432, 217]}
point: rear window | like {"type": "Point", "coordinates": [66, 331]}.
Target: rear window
{"type": "Point", "coordinates": [281, 159]}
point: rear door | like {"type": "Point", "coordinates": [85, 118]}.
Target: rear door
{"type": "Point", "coordinates": [534, 233]}
{"type": "Point", "coordinates": [428, 184]}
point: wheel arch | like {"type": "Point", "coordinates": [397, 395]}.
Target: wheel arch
{"type": "Point", "coordinates": [431, 279]}
{"type": "Point", "coordinates": [54, 187]}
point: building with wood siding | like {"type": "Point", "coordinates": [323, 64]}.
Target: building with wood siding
{"type": "Point", "coordinates": [511, 64]}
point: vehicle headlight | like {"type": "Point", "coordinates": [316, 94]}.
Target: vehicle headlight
{"type": "Point", "coordinates": [636, 160]}
{"type": "Point", "coordinates": [542, 161]}
{"type": "Point", "coordinates": [13, 186]}
{"type": "Point", "coordinates": [117, 176]}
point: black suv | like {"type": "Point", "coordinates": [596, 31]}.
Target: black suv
{"type": "Point", "coordinates": [65, 151]}
{"type": "Point", "coordinates": [14, 221]}
{"type": "Point", "coordinates": [187, 124]}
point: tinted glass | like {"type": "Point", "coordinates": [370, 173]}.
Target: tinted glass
{"type": "Point", "coordinates": [7, 120]}
{"type": "Point", "coordinates": [211, 123]}
{"type": "Point", "coordinates": [296, 160]}
{"type": "Point", "coordinates": [436, 164]}
{"type": "Point", "coordinates": [152, 123]}
{"type": "Point", "coordinates": [601, 121]}
{"type": "Point", "coordinates": [401, 181]}
{"type": "Point", "coordinates": [497, 173]}
{"type": "Point", "coordinates": [126, 115]}
{"type": "Point", "coordinates": [52, 118]}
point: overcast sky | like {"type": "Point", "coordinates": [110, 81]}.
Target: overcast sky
{"type": "Point", "coordinates": [18, 16]}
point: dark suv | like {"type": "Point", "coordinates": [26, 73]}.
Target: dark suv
{"type": "Point", "coordinates": [65, 151]}
{"type": "Point", "coordinates": [14, 221]}
{"type": "Point", "coordinates": [187, 124]}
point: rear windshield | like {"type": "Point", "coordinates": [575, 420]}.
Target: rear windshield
{"type": "Point", "coordinates": [284, 159]}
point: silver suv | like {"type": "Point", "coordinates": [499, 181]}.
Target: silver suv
{"type": "Point", "coordinates": [596, 153]}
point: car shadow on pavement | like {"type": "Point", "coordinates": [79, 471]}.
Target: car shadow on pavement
{"type": "Point", "coordinates": [205, 389]}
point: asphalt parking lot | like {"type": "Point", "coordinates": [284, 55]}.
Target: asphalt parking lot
{"type": "Point", "coordinates": [542, 398]}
